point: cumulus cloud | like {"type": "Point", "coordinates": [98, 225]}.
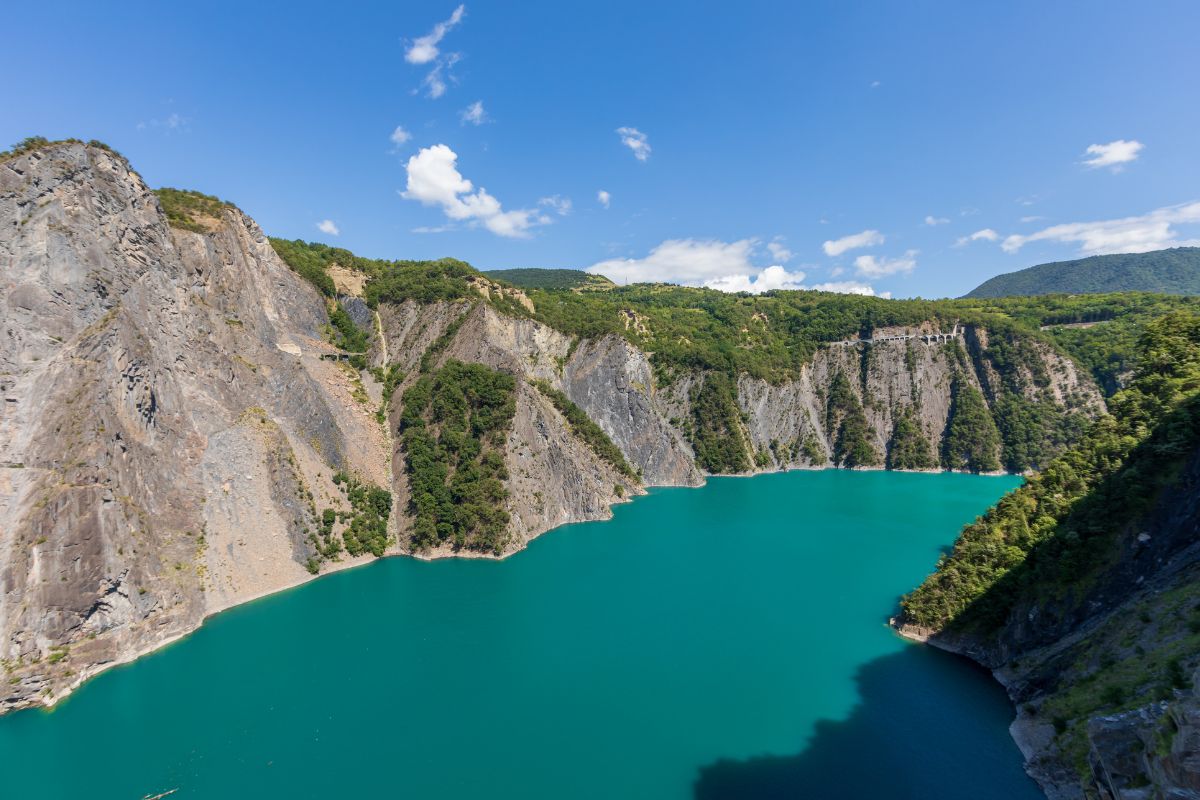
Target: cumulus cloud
{"type": "Point", "coordinates": [933, 221]}
{"type": "Point", "coordinates": [434, 180]}
{"type": "Point", "coordinates": [777, 250]}
{"type": "Point", "coordinates": [328, 226]}
{"type": "Point", "coordinates": [557, 203]}
{"type": "Point", "coordinates": [1114, 154]}
{"type": "Point", "coordinates": [425, 48]}
{"type": "Point", "coordinates": [872, 267]}
{"type": "Point", "coordinates": [848, 287]}
{"type": "Point", "coordinates": [686, 261]}
{"type": "Point", "coordinates": [474, 114]}
{"type": "Point", "coordinates": [603, 198]}
{"type": "Point", "coordinates": [712, 263]}
{"type": "Point", "coordinates": [636, 141]}
{"type": "Point", "coordinates": [771, 278]}
{"type": "Point", "coordinates": [1151, 231]}
{"type": "Point", "coordinates": [985, 235]}
{"type": "Point", "coordinates": [868, 238]}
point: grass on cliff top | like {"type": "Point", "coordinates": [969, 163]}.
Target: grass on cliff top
{"type": "Point", "coordinates": [191, 210]}
{"type": "Point", "coordinates": [32, 143]}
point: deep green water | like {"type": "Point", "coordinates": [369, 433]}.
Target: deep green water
{"type": "Point", "coordinates": [722, 642]}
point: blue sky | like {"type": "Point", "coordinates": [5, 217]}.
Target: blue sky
{"type": "Point", "coordinates": [853, 145]}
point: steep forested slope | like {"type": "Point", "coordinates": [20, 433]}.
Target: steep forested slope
{"type": "Point", "coordinates": [1103, 542]}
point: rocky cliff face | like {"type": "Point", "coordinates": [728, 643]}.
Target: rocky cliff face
{"type": "Point", "coordinates": [167, 420]}
{"type": "Point", "coordinates": [173, 416]}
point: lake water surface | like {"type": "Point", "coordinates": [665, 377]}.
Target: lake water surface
{"type": "Point", "coordinates": [728, 642]}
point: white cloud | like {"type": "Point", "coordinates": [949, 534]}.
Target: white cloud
{"type": "Point", "coordinates": [636, 141]}
{"type": "Point", "coordinates": [933, 221]}
{"type": "Point", "coordinates": [855, 241]}
{"type": "Point", "coordinates": [872, 267]}
{"type": "Point", "coordinates": [557, 203]}
{"type": "Point", "coordinates": [474, 114]}
{"type": "Point", "coordinates": [400, 136]}
{"type": "Point", "coordinates": [686, 261]}
{"type": "Point", "coordinates": [985, 235]}
{"type": "Point", "coordinates": [328, 226]}
{"type": "Point", "coordinates": [435, 81]}
{"type": "Point", "coordinates": [778, 252]}
{"type": "Point", "coordinates": [848, 287]}
{"type": "Point", "coordinates": [434, 180]}
{"type": "Point", "coordinates": [836, 271]}
{"type": "Point", "coordinates": [425, 48]}
{"type": "Point", "coordinates": [712, 263]}
{"type": "Point", "coordinates": [603, 198]}
{"type": "Point", "coordinates": [1113, 154]}
{"type": "Point", "coordinates": [766, 280]}
{"type": "Point", "coordinates": [1151, 231]}
{"type": "Point", "coordinates": [1032, 218]}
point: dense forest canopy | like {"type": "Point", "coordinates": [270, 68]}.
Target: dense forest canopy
{"type": "Point", "coordinates": [530, 278]}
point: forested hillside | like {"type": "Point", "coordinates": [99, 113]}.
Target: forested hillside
{"type": "Point", "coordinates": [530, 278]}
{"type": "Point", "coordinates": [1102, 539]}
{"type": "Point", "coordinates": [1173, 271]}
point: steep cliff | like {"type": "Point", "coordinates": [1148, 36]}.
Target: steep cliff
{"type": "Point", "coordinates": [183, 428]}
{"type": "Point", "coordinates": [168, 423]}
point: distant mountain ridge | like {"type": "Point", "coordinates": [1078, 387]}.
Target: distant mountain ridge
{"type": "Point", "coordinates": [1173, 271]}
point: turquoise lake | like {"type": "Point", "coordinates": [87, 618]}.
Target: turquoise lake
{"type": "Point", "coordinates": [723, 642]}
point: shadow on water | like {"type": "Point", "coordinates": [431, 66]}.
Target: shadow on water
{"type": "Point", "coordinates": [904, 740]}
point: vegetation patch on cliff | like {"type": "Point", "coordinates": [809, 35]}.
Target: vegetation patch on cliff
{"type": "Point", "coordinates": [191, 210]}
{"type": "Point", "coordinates": [715, 428]}
{"type": "Point", "coordinates": [454, 423]}
{"type": "Point", "coordinates": [971, 441]}
{"type": "Point", "coordinates": [908, 448]}
{"type": "Point", "coordinates": [844, 414]}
